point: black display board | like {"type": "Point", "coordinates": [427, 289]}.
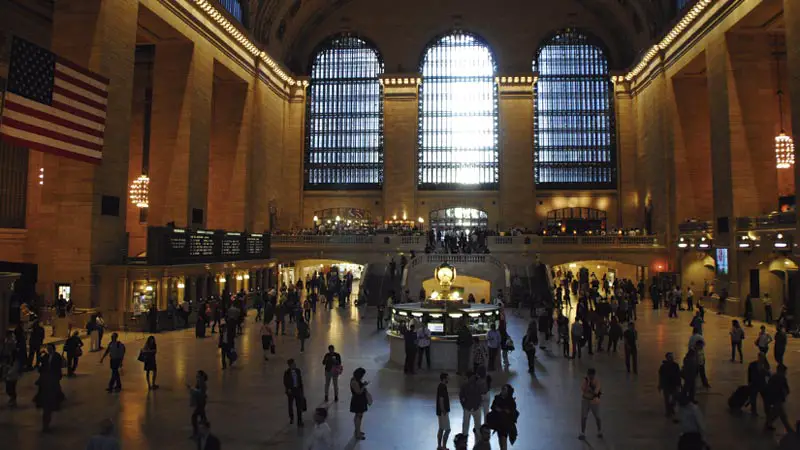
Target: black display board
{"type": "Point", "coordinates": [167, 246]}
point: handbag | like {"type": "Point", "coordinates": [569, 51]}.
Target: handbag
{"type": "Point", "coordinates": [141, 357]}
{"type": "Point", "coordinates": [369, 397]}
{"type": "Point", "coordinates": [272, 348]}
{"type": "Point", "coordinates": [337, 369]}
{"type": "Point", "coordinates": [78, 352]}
{"type": "Point", "coordinates": [303, 404]}
{"type": "Point", "coordinates": [232, 355]}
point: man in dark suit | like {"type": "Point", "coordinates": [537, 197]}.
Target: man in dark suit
{"type": "Point", "coordinates": [49, 396]}
{"type": "Point", "coordinates": [206, 440]}
{"type": "Point", "coordinates": [293, 382]}
{"type": "Point", "coordinates": [35, 345]}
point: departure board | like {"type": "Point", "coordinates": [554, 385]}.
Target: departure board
{"type": "Point", "coordinates": [166, 245]}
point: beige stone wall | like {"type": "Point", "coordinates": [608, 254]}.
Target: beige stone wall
{"type": "Point", "coordinates": [517, 191]}
{"type": "Point", "coordinates": [549, 201]}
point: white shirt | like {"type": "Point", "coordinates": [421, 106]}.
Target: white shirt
{"type": "Point", "coordinates": [493, 339]}
{"type": "Point", "coordinates": [322, 439]}
{"type": "Point", "coordinates": [423, 337]}
{"type": "Point", "coordinates": [764, 339]}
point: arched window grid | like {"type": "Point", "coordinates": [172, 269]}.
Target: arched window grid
{"type": "Point", "coordinates": [344, 120]}
{"type": "Point", "coordinates": [458, 124]}
{"type": "Point", "coordinates": [234, 7]}
{"type": "Point", "coordinates": [574, 120]}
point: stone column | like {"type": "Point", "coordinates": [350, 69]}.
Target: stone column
{"type": "Point", "coordinates": [289, 200]}
{"type": "Point", "coordinates": [517, 189]}
{"type": "Point", "coordinates": [400, 130]}
{"type": "Point", "coordinates": [228, 154]}
{"type": "Point", "coordinates": [182, 90]}
{"type": "Point", "coordinates": [720, 87]}
{"type": "Point", "coordinates": [101, 36]}
{"type": "Point", "coordinates": [791, 20]}
{"type": "Point", "coordinates": [629, 203]}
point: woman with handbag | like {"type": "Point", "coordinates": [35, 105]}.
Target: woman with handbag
{"type": "Point", "coordinates": [267, 343]}
{"type": "Point", "coordinates": [73, 350]}
{"type": "Point", "coordinates": [147, 355]}
{"type": "Point", "coordinates": [503, 417]}
{"type": "Point", "coordinates": [360, 401]}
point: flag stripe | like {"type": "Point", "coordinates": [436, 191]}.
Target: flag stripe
{"type": "Point", "coordinates": [40, 143]}
{"type": "Point", "coordinates": [21, 104]}
{"type": "Point", "coordinates": [59, 90]}
{"type": "Point", "coordinates": [78, 112]}
{"type": "Point", "coordinates": [62, 75]}
{"type": "Point", "coordinates": [80, 76]}
{"type": "Point", "coordinates": [59, 125]}
{"type": "Point", "coordinates": [50, 133]}
{"type": "Point", "coordinates": [84, 94]}
{"type": "Point", "coordinates": [81, 70]}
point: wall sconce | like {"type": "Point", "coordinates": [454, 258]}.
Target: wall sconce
{"type": "Point", "coordinates": [41, 176]}
{"type": "Point", "coordinates": [239, 278]}
{"type": "Point", "coordinates": [247, 276]}
{"type": "Point", "coordinates": [704, 244]}
{"type": "Point", "coordinates": [222, 280]}
{"type": "Point", "coordinates": [682, 243]}
{"type": "Point", "coordinates": [745, 243]}
{"type": "Point", "coordinates": [181, 285]}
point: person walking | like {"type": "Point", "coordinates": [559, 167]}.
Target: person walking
{"type": "Point", "coordinates": [410, 340]}
{"type": "Point", "coordinates": [49, 395]}
{"type": "Point", "coordinates": [757, 376]}
{"type": "Point", "coordinates": [267, 341]}
{"type": "Point", "coordinates": [506, 347]}
{"type": "Point", "coordinates": [381, 312]}
{"type": "Point", "coordinates": [280, 319]}
{"type": "Point", "coordinates": [503, 418]}
{"type": "Point", "coordinates": [360, 401]}
{"type": "Point", "coordinates": [322, 438]}
{"type": "Point", "coordinates": [470, 397]}
{"type": "Point", "coordinates": [698, 342]}
{"type": "Point", "coordinates": [333, 368]}
{"type": "Point", "coordinates": [116, 353]}
{"type": "Point", "coordinates": [10, 371]}
{"type": "Point", "coordinates": [777, 391]}
{"type": "Point", "coordinates": [303, 332]}
{"type": "Point", "coordinates": [73, 348]}
{"type": "Point", "coordinates": [35, 345]}
{"type": "Point", "coordinates": [692, 426]}
{"type": "Point", "coordinates": [226, 344]}
{"type": "Point", "coordinates": [763, 340]}
{"type": "Point", "coordinates": [748, 311]}
{"type": "Point", "coordinates": [601, 330]}
{"type": "Point", "coordinates": [480, 355]}
{"type": "Point", "coordinates": [767, 301]}
{"type": "Point", "coordinates": [669, 384]}
{"type": "Point", "coordinates": [689, 372]}
{"type": "Point", "coordinates": [493, 343]}
{"type": "Point", "coordinates": [442, 412]}
{"type": "Point", "coordinates": [295, 397]}
{"type": "Point", "coordinates": [529, 342]}
{"type": "Point", "coordinates": [148, 356]}
{"type": "Point", "coordinates": [590, 402]}
{"type": "Point", "coordinates": [562, 323]}
{"type": "Point", "coordinates": [737, 336]}
{"type": "Point", "coordinates": [424, 345]}
{"type": "Point", "coordinates": [689, 299]}
{"type": "Point", "coordinates": [105, 439]}
{"type": "Point", "coordinates": [464, 345]}
{"type": "Point", "coordinates": [198, 397]}
{"type": "Point", "coordinates": [780, 344]}
{"type": "Point", "coordinates": [577, 338]}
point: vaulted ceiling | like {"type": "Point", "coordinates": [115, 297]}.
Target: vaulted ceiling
{"type": "Point", "coordinates": [291, 28]}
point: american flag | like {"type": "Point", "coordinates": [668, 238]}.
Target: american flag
{"type": "Point", "coordinates": [53, 105]}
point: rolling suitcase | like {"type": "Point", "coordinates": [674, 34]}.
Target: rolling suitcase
{"type": "Point", "coordinates": [740, 398]}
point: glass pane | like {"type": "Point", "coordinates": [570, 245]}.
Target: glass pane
{"type": "Point", "coordinates": [345, 118]}
{"type": "Point", "coordinates": [458, 114]}
{"type": "Point", "coordinates": [574, 138]}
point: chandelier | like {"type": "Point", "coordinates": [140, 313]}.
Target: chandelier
{"type": "Point", "coordinates": [784, 144]}
{"type": "Point", "coordinates": [140, 191]}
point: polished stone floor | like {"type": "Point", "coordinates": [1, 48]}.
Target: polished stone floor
{"type": "Point", "coordinates": [247, 407]}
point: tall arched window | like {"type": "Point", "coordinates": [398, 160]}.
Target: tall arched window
{"type": "Point", "coordinates": [344, 139]}
{"type": "Point", "coordinates": [574, 130]}
{"type": "Point", "coordinates": [458, 115]}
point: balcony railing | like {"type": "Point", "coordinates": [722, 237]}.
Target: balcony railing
{"type": "Point", "coordinates": [774, 221]}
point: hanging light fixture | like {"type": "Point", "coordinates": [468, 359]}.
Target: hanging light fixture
{"type": "Point", "coordinates": [140, 191]}
{"type": "Point", "coordinates": [784, 144]}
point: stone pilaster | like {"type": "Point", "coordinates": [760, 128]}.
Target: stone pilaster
{"type": "Point", "coordinates": [720, 87]}
{"type": "Point", "coordinates": [400, 130]}
{"type": "Point", "coordinates": [182, 91]}
{"type": "Point", "coordinates": [290, 192]}
{"type": "Point", "coordinates": [517, 189]}
{"type": "Point", "coordinates": [791, 19]}
{"type": "Point", "coordinates": [99, 35]}
{"type": "Point", "coordinates": [629, 203]}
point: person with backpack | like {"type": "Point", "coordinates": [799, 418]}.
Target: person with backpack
{"type": "Point", "coordinates": [506, 346]}
{"type": "Point", "coordinates": [504, 415]}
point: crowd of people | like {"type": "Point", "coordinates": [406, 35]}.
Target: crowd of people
{"type": "Point", "coordinates": [605, 318]}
